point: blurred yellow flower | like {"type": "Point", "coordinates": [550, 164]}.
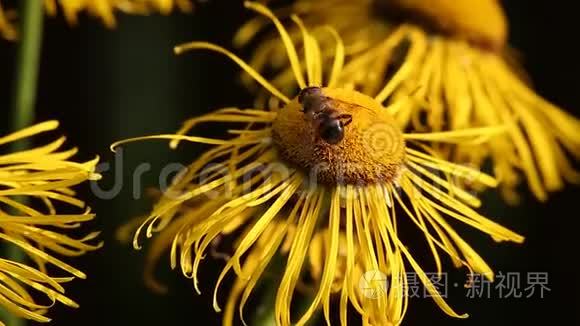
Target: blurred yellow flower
{"type": "Point", "coordinates": [35, 211]}
{"type": "Point", "coordinates": [102, 9]}
{"type": "Point", "coordinates": [454, 54]}
{"type": "Point", "coordinates": [7, 29]}
{"type": "Point", "coordinates": [324, 172]}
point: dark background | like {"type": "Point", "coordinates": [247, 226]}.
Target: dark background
{"type": "Point", "coordinates": [105, 85]}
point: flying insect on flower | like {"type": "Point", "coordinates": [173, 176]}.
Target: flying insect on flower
{"type": "Point", "coordinates": [455, 55]}
{"type": "Point", "coordinates": [325, 171]}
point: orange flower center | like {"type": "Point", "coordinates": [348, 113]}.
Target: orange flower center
{"type": "Point", "coordinates": [369, 147]}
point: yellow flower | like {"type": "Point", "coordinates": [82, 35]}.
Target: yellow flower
{"type": "Point", "coordinates": [7, 30]}
{"type": "Point", "coordinates": [35, 190]}
{"type": "Point", "coordinates": [325, 172]}
{"type": "Point", "coordinates": [102, 9]}
{"type": "Point", "coordinates": [454, 54]}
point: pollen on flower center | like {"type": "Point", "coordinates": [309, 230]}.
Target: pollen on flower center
{"type": "Point", "coordinates": [371, 149]}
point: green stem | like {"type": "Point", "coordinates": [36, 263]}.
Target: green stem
{"type": "Point", "coordinates": [27, 64]}
{"type": "Point", "coordinates": [265, 314]}
{"type": "Point", "coordinates": [25, 87]}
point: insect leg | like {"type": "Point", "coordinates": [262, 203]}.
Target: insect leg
{"type": "Point", "coordinates": [345, 119]}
